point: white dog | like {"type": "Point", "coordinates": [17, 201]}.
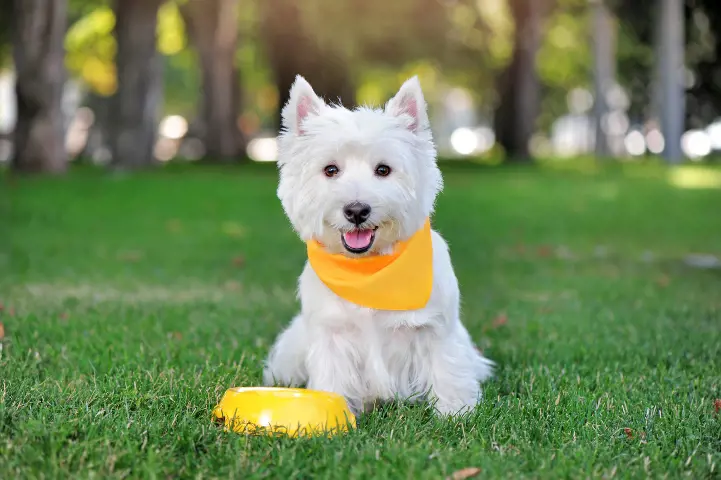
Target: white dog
{"type": "Point", "coordinates": [359, 182]}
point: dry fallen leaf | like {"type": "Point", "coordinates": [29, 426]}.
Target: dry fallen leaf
{"type": "Point", "coordinates": [628, 432]}
{"type": "Point", "coordinates": [174, 225]}
{"type": "Point", "coordinates": [500, 320]}
{"type": "Point", "coordinates": [130, 255]}
{"type": "Point", "coordinates": [464, 473]}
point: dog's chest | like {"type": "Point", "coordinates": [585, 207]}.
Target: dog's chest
{"type": "Point", "coordinates": [402, 320]}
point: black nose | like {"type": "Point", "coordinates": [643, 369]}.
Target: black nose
{"type": "Point", "coordinates": [357, 212]}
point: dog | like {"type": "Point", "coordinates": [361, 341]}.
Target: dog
{"type": "Point", "coordinates": [359, 183]}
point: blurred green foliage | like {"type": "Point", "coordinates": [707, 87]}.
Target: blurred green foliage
{"type": "Point", "coordinates": [460, 42]}
{"type": "Point", "coordinates": [91, 46]}
{"type": "Point", "coordinates": [464, 42]}
{"type": "Point", "coordinates": [564, 61]}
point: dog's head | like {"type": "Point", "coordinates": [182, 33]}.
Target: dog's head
{"type": "Point", "coordinates": [357, 181]}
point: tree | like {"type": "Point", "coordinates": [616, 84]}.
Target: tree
{"type": "Point", "coordinates": [6, 13]}
{"type": "Point", "coordinates": [212, 27]}
{"type": "Point", "coordinates": [640, 22]}
{"type": "Point", "coordinates": [39, 27]}
{"type": "Point", "coordinates": [704, 96]}
{"type": "Point", "coordinates": [139, 83]}
{"type": "Point", "coordinates": [518, 86]}
{"type": "Point", "coordinates": [670, 73]}
{"type": "Point", "coordinates": [604, 62]}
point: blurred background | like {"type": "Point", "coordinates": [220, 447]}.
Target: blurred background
{"type": "Point", "coordinates": [130, 83]}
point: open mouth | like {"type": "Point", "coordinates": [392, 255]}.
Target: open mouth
{"type": "Point", "coordinates": [359, 241]}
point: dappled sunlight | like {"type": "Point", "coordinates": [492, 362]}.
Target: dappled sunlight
{"type": "Point", "coordinates": [173, 127]}
{"type": "Point", "coordinates": [498, 18]}
{"type": "Point", "coordinates": [696, 144]}
{"type": "Point", "coordinates": [688, 177]}
{"type": "Point", "coordinates": [91, 46]}
{"type": "Point", "coordinates": [171, 30]}
{"type": "Point", "coordinates": [263, 149]}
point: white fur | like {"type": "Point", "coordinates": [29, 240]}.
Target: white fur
{"type": "Point", "coordinates": [333, 345]}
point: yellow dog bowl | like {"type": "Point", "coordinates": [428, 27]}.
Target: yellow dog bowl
{"type": "Point", "coordinates": [283, 411]}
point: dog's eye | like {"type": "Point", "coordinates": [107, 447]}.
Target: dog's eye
{"type": "Point", "coordinates": [331, 171]}
{"type": "Point", "coordinates": [383, 170]}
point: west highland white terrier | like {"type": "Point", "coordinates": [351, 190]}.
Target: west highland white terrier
{"type": "Point", "coordinates": [360, 183]}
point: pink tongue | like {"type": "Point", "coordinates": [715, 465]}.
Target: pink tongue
{"type": "Point", "coordinates": [358, 239]}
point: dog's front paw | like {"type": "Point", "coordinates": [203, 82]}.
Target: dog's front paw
{"type": "Point", "coordinates": [456, 403]}
{"type": "Point", "coordinates": [278, 375]}
{"type": "Point", "coordinates": [448, 409]}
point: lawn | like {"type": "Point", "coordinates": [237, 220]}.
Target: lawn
{"type": "Point", "coordinates": [130, 303]}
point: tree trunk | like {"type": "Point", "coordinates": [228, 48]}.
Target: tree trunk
{"type": "Point", "coordinates": [604, 72]}
{"type": "Point", "coordinates": [97, 146]}
{"type": "Point", "coordinates": [39, 29]}
{"type": "Point", "coordinates": [213, 29]}
{"type": "Point", "coordinates": [519, 86]}
{"type": "Point", "coordinates": [291, 51]}
{"type": "Point", "coordinates": [670, 58]}
{"type": "Point", "coordinates": [140, 83]}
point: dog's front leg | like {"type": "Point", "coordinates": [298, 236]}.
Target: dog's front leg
{"type": "Point", "coordinates": [456, 373]}
{"type": "Point", "coordinates": [285, 364]}
{"type": "Point", "coordinates": [333, 365]}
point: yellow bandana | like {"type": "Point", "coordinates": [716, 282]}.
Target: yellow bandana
{"type": "Point", "coordinates": [400, 281]}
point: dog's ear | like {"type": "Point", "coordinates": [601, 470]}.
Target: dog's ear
{"type": "Point", "coordinates": [409, 102]}
{"type": "Point", "coordinates": [302, 102]}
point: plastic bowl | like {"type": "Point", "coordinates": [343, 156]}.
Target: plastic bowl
{"type": "Point", "coordinates": [283, 411]}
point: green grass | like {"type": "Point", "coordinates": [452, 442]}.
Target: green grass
{"type": "Point", "coordinates": [132, 302]}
